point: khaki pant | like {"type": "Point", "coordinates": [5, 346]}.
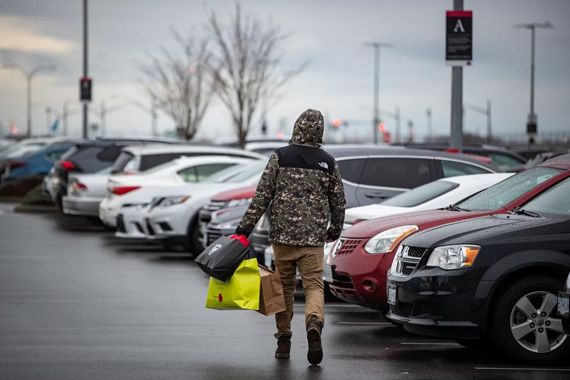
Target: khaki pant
{"type": "Point", "coordinates": [310, 262]}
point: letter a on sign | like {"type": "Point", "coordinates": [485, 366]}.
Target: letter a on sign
{"type": "Point", "coordinates": [459, 38]}
{"type": "Point", "coordinates": [459, 27]}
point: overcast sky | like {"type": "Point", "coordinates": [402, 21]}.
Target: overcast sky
{"type": "Point", "coordinates": [328, 33]}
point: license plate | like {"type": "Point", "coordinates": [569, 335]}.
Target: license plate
{"type": "Point", "coordinates": [392, 294]}
{"type": "Point", "coordinates": [327, 274]}
{"type": "Point", "coordinates": [563, 305]}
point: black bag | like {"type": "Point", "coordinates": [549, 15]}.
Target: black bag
{"type": "Point", "coordinates": [221, 258]}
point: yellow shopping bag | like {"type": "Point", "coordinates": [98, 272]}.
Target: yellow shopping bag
{"type": "Point", "coordinates": [241, 291]}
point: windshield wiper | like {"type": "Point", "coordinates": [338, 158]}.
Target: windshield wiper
{"type": "Point", "coordinates": [455, 208]}
{"type": "Point", "coordinates": [522, 211]}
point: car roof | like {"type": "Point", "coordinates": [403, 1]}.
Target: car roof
{"type": "Point", "coordinates": [158, 149]}
{"type": "Point", "coordinates": [340, 151]}
{"type": "Point", "coordinates": [559, 162]}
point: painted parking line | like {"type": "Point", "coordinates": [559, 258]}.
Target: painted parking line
{"type": "Point", "coordinates": [521, 369]}
{"type": "Point", "coordinates": [430, 344]}
{"type": "Point", "coordinates": [356, 323]}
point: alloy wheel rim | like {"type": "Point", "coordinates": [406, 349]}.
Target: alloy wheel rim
{"type": "Point", "coordinates": [534, 325]}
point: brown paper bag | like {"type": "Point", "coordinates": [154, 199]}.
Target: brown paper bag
{"type": "Point", "coordinates": [271, 298]}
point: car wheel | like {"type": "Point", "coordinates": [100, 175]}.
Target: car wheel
{"type": "Point", "coordinates": [192, 243]}
{"type": "Point", "coordinates": [524, 324]}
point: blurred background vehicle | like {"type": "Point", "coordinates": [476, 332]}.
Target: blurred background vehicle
{"type": "Point", "coordinates": [360, 260]}
{"type": "Point", "coordinates": [85, 192]}
{"type": "Point", "coordinates": [564, 305]}
{"type": "Point", "coordinates": [137, 189]}
{"type": "Point", "coordinates": [431, 196]}
{"type": "Point", "coordinates": [490, 282]}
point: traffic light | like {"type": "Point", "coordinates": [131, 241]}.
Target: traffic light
{"type": "Point", "coordinates": [85, 85]}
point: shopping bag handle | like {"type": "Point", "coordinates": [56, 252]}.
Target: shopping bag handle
{"type": "Point", "coordinates": [241, 238]}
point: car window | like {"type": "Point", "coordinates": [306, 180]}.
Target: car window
{"type": "Point", "coordinates": [249, 172]}
{"type": "Point", "coordinates": [189, 174]}
{"type": "Point", "coordinates": [553, 201]}
{"type": "Point", "coordinates": [201, 172]}
{"type": "Point", "coordinates": [351, 169]}
{"type": "Point", "coordinates": [121, 162]}
{"type": "Point", "coordinates": [109, 153]}
{"type": "Point", "coordinates": [421, 194]}
{"type": "Point", "coordinates": [226, 173]}
{"type": "Point", "coordinates": [86, 159]}
{"type": "Point", "coordinates": [397, 172]}
{"type": "Point", "coordinates": [148, 161]}
{"type": "Point", "coordinates": [504, 161]}
{"type": "Point", "coordinates": [506, 191]}
{"type": "Point", "coordinates": [454, 169]}
{"type": "Point", "coordinates": [55, 155]}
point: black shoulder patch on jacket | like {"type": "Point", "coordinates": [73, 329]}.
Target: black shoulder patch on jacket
{"type": "Point", "coordinates": [305, 157]}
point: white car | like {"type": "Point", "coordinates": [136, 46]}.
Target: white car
{"type": "Point", "coordinates": [173, 215]}
{"type": "Point", "coordinates": [138, 189]}
{"type": "Point", "coordinates": [137, 159]}
{"type": "Point", "coordinates": [431, 196]}
{"type": "Point", "coordinates": [85, 192]}
{"type": "Point", "coordinates": [131, 219]}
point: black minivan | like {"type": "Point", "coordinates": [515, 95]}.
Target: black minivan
{"type": "Point", "coordinates": [491, 281]}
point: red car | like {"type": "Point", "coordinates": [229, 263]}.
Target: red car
{"type": "Point", "coordinates": [359, 261]}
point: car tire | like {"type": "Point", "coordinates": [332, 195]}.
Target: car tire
{"type": "Point", "coordinates": [518, 311]}
{"type": "Point", "coordinates": [192, 243]}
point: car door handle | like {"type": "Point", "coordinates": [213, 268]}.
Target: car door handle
{"type": "Point", "coordinates": [375, 196]}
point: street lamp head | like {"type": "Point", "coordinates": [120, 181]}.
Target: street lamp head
{"type": "Point", "coordinates": [534, 25]}
{"type": "Point", "coordinates": [378, 44]}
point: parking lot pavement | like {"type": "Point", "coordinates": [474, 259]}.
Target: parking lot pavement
{"type": "Point", "coordinates": [77, 303]}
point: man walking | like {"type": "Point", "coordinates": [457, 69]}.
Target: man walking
{"type": "Point", "coordinates": [302, 186]}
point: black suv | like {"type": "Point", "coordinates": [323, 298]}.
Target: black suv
{"type": "Point", "coordinates": [491, 281]}
{"type": "Point", "coordinates": [91, 156]}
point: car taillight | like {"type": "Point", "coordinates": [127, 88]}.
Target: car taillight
{"type": "Point", "coordinates": [68, 165]}
{"type": "Point", "coordinates": [120, 190]}
{"type": "Point", "coordinates": [17, 164]}
{"type": "Point", "coordinates": [358, 221]}
{"type": "Point", "coordinates": [79, 186]}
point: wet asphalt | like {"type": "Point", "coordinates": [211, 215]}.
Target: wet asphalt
{"type": "Point", "coordinates": [78, 303]}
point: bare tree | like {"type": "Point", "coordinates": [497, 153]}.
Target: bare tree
{"type": "Point", "coordinates": [245, 66]}
{"type": "Point", "coordinates": [180, 83]}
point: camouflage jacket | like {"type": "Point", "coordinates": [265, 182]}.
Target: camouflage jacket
{"type": "Point", "coordinates": [302, 186]}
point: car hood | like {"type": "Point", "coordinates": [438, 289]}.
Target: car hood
{"type": "Point", "coordinates": [422, 219]}
{"type": "Point", "coordinates": [373, 211]}
{"type": "Point", "coordinates": [500, 227]}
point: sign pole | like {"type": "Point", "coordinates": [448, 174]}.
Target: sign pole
{"type": "Point", "coordinates": [85, 69]}
{"type": "Point", "coordinates": [456, 140]}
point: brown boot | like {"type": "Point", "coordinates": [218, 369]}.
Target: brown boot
{"type": "Point", "coordinates": [314, 328]}
{"type": "Point", "coordinates": [283, 347]}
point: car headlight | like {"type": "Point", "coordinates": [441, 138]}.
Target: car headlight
{"type": "Point", "coordinates": [453, 256]}
{"type": "Point", "coordinates": [346, 225]}
{"type": "Point", "coordinates": [137, 205]}
{"type": "Point", "coordinates": [172, 201]}
{"type": "Point", "coordinates": [386, 241]}
{"type": "Point", "coordinates": [239, 202]}
{"type": "Point", "coordinates": [230, 225]}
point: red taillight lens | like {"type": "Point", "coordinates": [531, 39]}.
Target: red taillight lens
{"type": "Point", "coordinates": [68, 165]}
{"type": "Point", "coordinates": [79, 186]}
{"type": "Point", "coordinates": [17, 164]}
{"type": "Point", "coordinates": [120, 190]}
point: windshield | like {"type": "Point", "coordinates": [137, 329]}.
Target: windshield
{"type": "Point", "coordinates": [248, 172]}
{"type": "Point", "coordinates": [226, 173]}
{"type": "Point", "coordinates": [505, 192]}
{"type": "Point", "coordinates": [553, 201]}
{"type": "Point", "coordinates": [421, 194]}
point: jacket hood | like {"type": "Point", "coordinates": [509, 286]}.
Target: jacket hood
{"type": "Point", "coordinates": [308, 129]}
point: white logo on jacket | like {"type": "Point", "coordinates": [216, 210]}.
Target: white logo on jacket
{"type": "Point", "coordinates": [214, 249]}
{"type": "Point", "coordinates": [324, 165]}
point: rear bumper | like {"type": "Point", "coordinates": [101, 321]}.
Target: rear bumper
{"type": "Point", "coordinates": [81, 206]}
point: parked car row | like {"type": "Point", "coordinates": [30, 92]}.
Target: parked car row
{"type": "Point", "coordinates": [444, 244]}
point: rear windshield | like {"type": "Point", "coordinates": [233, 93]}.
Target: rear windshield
{"type": "Point", "coordinates": [554, 201]}
{"type": "Point", "coordinates": [91, 159]}
{"type": "Point", "coordinates": [505, 192]}
{"type": "Point", "coordinates": [421, 194]}
{"type": "Point", "coordinates": [249, 172]}
{"type": "Point", "coordinates": [227, 173]}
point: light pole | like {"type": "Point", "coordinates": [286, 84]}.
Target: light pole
{"type": "Point", "coordinates": [376, 117]}
{"type": "Point", "coordinates": [531, 125]}
{"type": "Point", "coordinates": [29, 75]}
{"type": "Point", "coordinates": [429, 125]}
{"type": "Point", "coordinates": [484, 111]}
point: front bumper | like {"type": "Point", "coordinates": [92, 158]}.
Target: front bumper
{"type": "Point", "coordinates": [359, 277]}
{"type": "Point", "coordinates": [168, 223]}
{"type": "Point", "coordinates": [436, 303]}
{"type": "Point", "coordinates": [131, 224]}
{"type": "Point", "coordinates": [81, 206]}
